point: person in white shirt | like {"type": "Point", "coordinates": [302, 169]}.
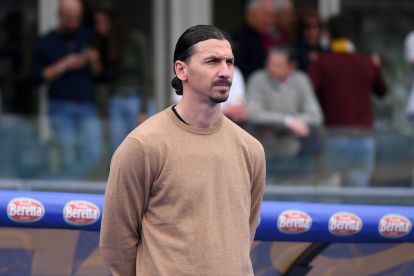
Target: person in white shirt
{"type": "Point", "coordinates": [409, 56]}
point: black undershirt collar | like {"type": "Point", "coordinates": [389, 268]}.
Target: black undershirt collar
{"type": "Point", "coordinates": [178, 115]}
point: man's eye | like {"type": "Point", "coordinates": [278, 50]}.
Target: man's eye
{"type": "Point", "coordinates": [231, 62]}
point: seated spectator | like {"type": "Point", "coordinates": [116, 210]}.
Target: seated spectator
{"type": "Point", "coordinates": [281, 102]}
{"type": "Point", "coordinates": [344, 82]}
{"type": "Point", "coordinates": [308, 45]}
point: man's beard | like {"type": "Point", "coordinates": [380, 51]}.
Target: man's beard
{"type": "Point", "coordinates": [221, 96]}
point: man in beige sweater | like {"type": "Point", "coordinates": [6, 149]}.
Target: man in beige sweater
{"type": "Point", "coordinates": [186, 186]}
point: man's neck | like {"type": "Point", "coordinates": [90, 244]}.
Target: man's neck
{"type": "Point", "coordinates": [199, 115]}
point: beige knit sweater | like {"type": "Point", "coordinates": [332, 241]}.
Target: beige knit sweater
{"type": "Point", "coordinates": [183, 200]}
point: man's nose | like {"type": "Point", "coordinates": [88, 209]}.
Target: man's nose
{"type": "Point", "coordinates": [226, 70]}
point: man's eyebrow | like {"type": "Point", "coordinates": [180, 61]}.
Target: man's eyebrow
{"type": "Point", "coordinates": [218, 58]}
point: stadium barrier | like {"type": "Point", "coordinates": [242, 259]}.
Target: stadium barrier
{"type": "Point", "coordinates": [295, 238]}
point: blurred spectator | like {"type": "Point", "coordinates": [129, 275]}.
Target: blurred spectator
{"type": "Point", "coordinates": [123, 56]}
{"type": "Point", "coordinates": [10, 59]}
{"type": "Point", "coordinates": [409, 56]}
{"type": "Point", "coordinates": [252, 40]}
{"type": "Point", "coordinates": [64, 60]}
{"type": "Point", "coordinates": [284, 22]}
{"type": "Point", "coordinates": [281, 103]}
{"type": "Point", "coordinates": [344, 82]}
{"type": "Point", "coordinates": [308, 45]}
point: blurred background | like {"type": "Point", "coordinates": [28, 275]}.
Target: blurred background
{"type": "Point", "coordinates": [132, 43]}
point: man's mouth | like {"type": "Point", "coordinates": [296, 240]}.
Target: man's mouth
{"type": "Point", "coordinates": [222, 83]}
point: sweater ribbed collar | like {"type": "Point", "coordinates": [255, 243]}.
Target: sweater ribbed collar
{"type": "Point", "coordinates": [194, 130]}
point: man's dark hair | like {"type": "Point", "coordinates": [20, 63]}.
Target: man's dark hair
{"type": "Point", "coordinates": [185, 46]}
{"type": "Point", "coordinates": [287, 51]}
{"type": "Point", "coordinates": [340, 26]}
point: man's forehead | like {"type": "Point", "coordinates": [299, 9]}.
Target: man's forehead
{"type": "Point", "coordinates": [70, 6]}
{"type": "Point", "coordinates": [214, 47]}
{"type": "Point", "coordinates": [278, 56]}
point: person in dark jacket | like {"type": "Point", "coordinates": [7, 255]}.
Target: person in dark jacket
{"type": "Point", "coordinates": [344, 82]}
{"type": "Point", "coordinates": [65, 61]}
{"type": "Point", "coordinates": [308, 45]}
{"type": "Point", "coordinates": [253, 39]}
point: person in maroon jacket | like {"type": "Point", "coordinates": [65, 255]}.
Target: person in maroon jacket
{"type": "Point", "coordinates": [344, 82]}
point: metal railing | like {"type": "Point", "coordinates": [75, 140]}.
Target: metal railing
{"type": "Point", "coordinates": [31, 162]}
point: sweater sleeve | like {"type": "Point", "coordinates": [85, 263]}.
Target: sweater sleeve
{"type": "Point", "coordinates": [257, 191]}
{"type": "Point", "coordinates": [126, 197]}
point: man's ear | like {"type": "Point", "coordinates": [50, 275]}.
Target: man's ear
{"type": "Point", "coordinates": [181, 70]}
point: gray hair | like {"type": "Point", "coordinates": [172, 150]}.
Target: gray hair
{"type": "Point", "coordinates": [285, 51]}
{"type": "Point", "coordinates": [278, 5]}
{"type": "Point", "coordinates": [255, 4]}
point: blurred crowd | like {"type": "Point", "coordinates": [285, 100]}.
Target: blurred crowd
{"type": "Point", "coordinates": [300, 86]}
{"type": "Point", "coordinates": [309, 93]}
{"type": "Point", "coordinates": [81, 65]}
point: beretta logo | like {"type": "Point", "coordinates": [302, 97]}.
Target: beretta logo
{"type": "Point", "coordinates": [294, 222]}
{"type": "Point", "coordinates": [394, 226]}
{"type": "Point", "coordinates": [344, 224]}
{"type": "Point", "coordinates": [23, 209]}
{"type": "Point", "coordinates": [80, 212]}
